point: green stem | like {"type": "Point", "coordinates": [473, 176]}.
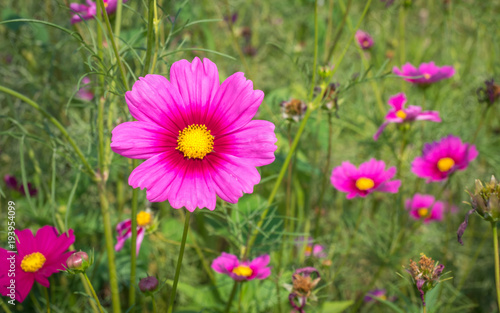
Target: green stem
{"type": "Point", "coordinates": [118, 18]}
{"type": "Point", "coordinates": [133, 244]}
{"type": "Point", "coordinates": [315, 61]}
{"type": "Point", "coordinates": [150, 37]}
{"type": "Point", "coordinates": [46, 293]}
{"type": "Point", "coordinates": [56, 123]}
{"type": "Point", "coordinates": [5, 307]}
{"type": "Point", "coordinates": [93, 292]}
{"type": "Point", "coordinates": [339, 32]}
{"type": "Point", "coordinates": [179, 262]}
{"type": "Point", "coordinates": [424, 310]}
{"type": "Point", "coordinates": [231, 297]}
{"type": "Point", "coordinates": [113, 43]}
{"type": "Point", "coordinates": [402, 53]}
{"type": "Point", "coordinates": [481, 123]}
{"type": "Point", "coordinates": [497, 261]}
{"type": "Point", "coordinates": [155, 309]}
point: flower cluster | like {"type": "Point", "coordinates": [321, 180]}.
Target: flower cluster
{"type": "Point", "coordinates": [304, 280]}
{"type": "Point", "coordinates": [425, 274]}
{"type": "Point", "coordinates": [293, 109]}
{"type": "Point", "coordinates": [489, 93]}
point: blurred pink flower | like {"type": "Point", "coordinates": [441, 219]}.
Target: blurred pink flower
{"type": "Point", "coordinates": [84, 92]}
{"type": "Point", "coordinates": [426, 208]}
{"type": "Point", "coordinates": [398, 114]}
{"type": "Point", "coordinates": [124, 230]}
{"type": "Point", "coordinates": [365, 41]}
{"type": "Point", "coordinates": [87, 12]}
{"type": "Point", "coordinates": [371, 176]}
{"type": "Point", "coordinates": [197, 135]}
{"type": "Point", "coordinates": [427, 73]}
{"type": "Point", "coordinates": [37, 258]}
{"type": "Point", "coordinates": [242, 271]}
{"type": "Point", "coordinates": [378, 294]}
{"type": "Point", "coordinates": [316, 250]}
{"type": "Point", "coordinates": [442, 158]}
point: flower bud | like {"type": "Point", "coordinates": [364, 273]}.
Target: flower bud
{"type": "Point", "coordinates": [148, 284]}
{"type": "Point", "coordinates": [78, 261]}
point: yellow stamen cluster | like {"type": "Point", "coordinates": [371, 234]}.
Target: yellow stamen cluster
{"type": "Point", "coordinates": [423, 212]}
{"type": "Point", "coordinates": [195, 141]}
{"type": "Point", "coordinates": [364, 183]}
{"type": "Point", "coordinates": [243, 270]}
{"type": "Point", "coordinates": [445, 164]}
{"type": "Point", "coordinates": [427, 76]}
{"type": "Point", "coordinates": [401, 114]}
{"type": "Point", "coordinates": [33, 262]}
{"type": "Point", "coordinates": [143, 218]}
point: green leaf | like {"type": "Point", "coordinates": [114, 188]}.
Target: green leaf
{"type": "Point", "coordinates": [336, 306]}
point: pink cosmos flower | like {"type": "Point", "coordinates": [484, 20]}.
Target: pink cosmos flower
{"type": "Point", "coordinates": [124, 230]}
{"type": "Point", "coordinates": [197, 135]}
{"type": "Point", "coordinates": [87, 12]}
{"type": "Point", "coordinates": [425, 207]}
{"type": "Point", "coordinates": [371, 176]}
{"type": "Point", "coordinates": [427, 73]}
{"type": "Point", "coordinates": [242, 271]}
{"type": "Point", "coordinates": [398, 114]}
{"type": "Point", "coordinates": [365, 41]}
{"type": "Point", "coordinates": [442, 158]}
{"type": "Point", "coordinates": [84, 92]}
{"type": "Point", "coordinates": [316, 250]}
{"type": "Point", "coordinates": [36, 259]}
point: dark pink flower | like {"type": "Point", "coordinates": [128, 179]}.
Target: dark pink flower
{"type": "Point", "coordinates": [88, 11]}
{"type": "Point", "coordinates": [124, 230]}
{"type": "Point", "coordinates": [371, 176]}
{"type": "Point", "coordinates": [442, 158]}
{"type": "Point", "coordinates": [427, 73]}
{"type": "Point", "coordinates": [316, 250]}
{"type": "Point", "coordinates": [365, 41]}
{"type": "Point", "coordinates": [11, 182]}
{"type": "Point", "coordinates": [84, 92]}
{"type": "Point", "coordinates": [197, 135]}
{"type": "Point", "coordinates": [398, 114]}
{"type": "Point", "coordinates": [424, 207]}
{"type": "Point", "coordinates": [37, 258]}
{"type": "Point", "coordinates": [242, 271]}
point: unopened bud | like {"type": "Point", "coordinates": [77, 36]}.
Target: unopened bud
{"type": "Point", "coordinates": [78, 261]}
{"type": "Point", "coordinates": [148, 284]}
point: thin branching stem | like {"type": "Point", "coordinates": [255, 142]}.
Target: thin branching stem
{"type": "Point", "coordinates": [94, 295]}
{"type": "Point", "coordinates": [497, 261]}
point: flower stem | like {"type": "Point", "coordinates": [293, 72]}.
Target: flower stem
{"type": "Point", "coordinates": [93, 292]}
{"type": "Point", "coordinates": [424, 310]}
{"type": "Point", "coordinates": [231, 297]}
{"type": "Point", "coordinates": [133, 244]}
{"type": "Point", "coordinates": [46, 293]}
{"type": "Point", "coordinates": [150, 39]}
{"type": "Point", "coordinates": [179, 261]}
{"type": "Point", "coordinates": [154, 304]}
{"type": "Point", "coordinates": [5, 307]}
{"type": "Point", "coordinates": [315, 61]}
{"type": "Point", "coordinates": [497, 261]}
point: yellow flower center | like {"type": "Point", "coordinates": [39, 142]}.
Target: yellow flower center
{"type": "Point", "coordinates": [423, 212]}
{"type": "Point", "coordinates": [242, 270]}
{"type": "Point", "coordinates": [143, 218]}
{"type": "Point", "coordinates": [309, 249]}
{"type": "Point", "coordinates": [364, 183]}
{"type": "Point", "coordinates": [383, 297]}
{"type": "Point", "coordinates": [195, 141]}
{"type": "Point", "coordinates": [427, 76]}
{"type": "Point", "coordinates": [105, 4]}
{"type": "Point", "coordinates": [32, 262]}
{"type": "Point", "coordinates": [445, 164]}
{"type": "Point", "coordinates": [401, 114]}
{"type": "Point", "coordinates": [366, 43]}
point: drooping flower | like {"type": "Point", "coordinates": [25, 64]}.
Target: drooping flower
{"type": "Point", "coordinates": [485, 201]}
{"type": "Point", "coordinates": [490, 93]}
{"type": "Point", "coordinates": [365, 41]}
{"type": "Point", "coordinates": [371, 176]}
{"type": "Point", "coordinates": [398, 114]}
{"type": "Point", "coordinates": [427, 73]}
{"type": "Point", "coordinates": [304, 280]}
{"type": "Point", "coordinates": [242, 270]}
{"type": "Point", "coordinates": [378, 294]}
{"type": "Point", "coordinates": [425, 274]}
{"type": "Point", "coordinates": [12, 183]}
{"type": "Point", "coordinates": [293, 109]}
{"type": "Point", "coordinates": [197, 135]}
{"type": "Point", "coordinates": [424, 207]}
{"type": "Point", "coordinates": [84, 92]}
{"type": "Point", "coordinates": [37, 258]}
{"type": "Point", "coordinates": [89, 11]}
{"type": "Point", "coordinates": [124, 230]}
{"type": "Point", "coordinates": [442, 158]}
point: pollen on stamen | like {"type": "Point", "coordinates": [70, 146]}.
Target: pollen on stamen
{"type": "Point", "coordinates": [195, 141]}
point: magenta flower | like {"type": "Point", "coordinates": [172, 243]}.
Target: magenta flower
{"type": "Point", "coordinates": [84, 92]}
{"type": "Point", "coordinates": [371, 176]}
{"type": "Point", "coordinates": [442, 158]}
{"type": "Point", "coordinates": [87, 12]}
{"type": "Point", "coordinates": [197, 135]}
{"type": "Point", "coordinates": [124, 230]}
{"type": "Point", "coordinates": [316, 250]}
{"type": "Point", "coordinates": [37, 258]}
{"type": "Point", "coordinates": [378, 294]}
{"type": "Point", "coordinates": [427, 73]}
{"type": "Point", "coordinates": [398, 114]}
{"type": "Point", "coordinates": [365, 41]}
{"type": "Point", "coordinates": [242, 271]}
{"type": "Point", "coordinates": [426, 208]}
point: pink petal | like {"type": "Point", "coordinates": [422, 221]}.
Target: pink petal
{"type": "Point", "coordinates": [380, 130]}
{"type": "Point", "coordinates": [50, 244]}
{"type": "Point", "coordinates": [140, 237]}
{"type": "Point", "coordinates": [398, 101]}
{"type": "Point", "coordinates": [225, 263]}
{"type": "Point", "coordinates": [25, 242]}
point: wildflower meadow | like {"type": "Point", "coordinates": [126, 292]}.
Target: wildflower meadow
{"type": "Point", "coordinates": [286, 156]}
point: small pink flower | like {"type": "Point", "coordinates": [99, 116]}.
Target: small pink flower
{"type": "Point", "coordinates": [124, 230]}
{"type": "Point", "coordinates": [398, 114]}
{"type": "Point", "coordinates": [316, 250]}
{"type": "Point", "coordinates": [427, 73]}
{"type": "Point", "coordinates": [442, 158]}
{"type": "Point", "coordinates": [371, 176]}
{"type": "Point", "coordinates": [87, 12]}
{"type": "Point", "coordinates": [84, 92]}
{"type": "Point", "coordinates": [242, 271]}
{"type": "Point", "coordinates": [37, 258]}
{"type": "Point", "coordinates": [425, 207]}
{"type": "Point", "coordinates": [378, 294]}
{"type": "Point", "coordinates": [365, 41]}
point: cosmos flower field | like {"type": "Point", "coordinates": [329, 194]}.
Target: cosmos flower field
{"type": "Point", "coordinates": [249, 156]}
